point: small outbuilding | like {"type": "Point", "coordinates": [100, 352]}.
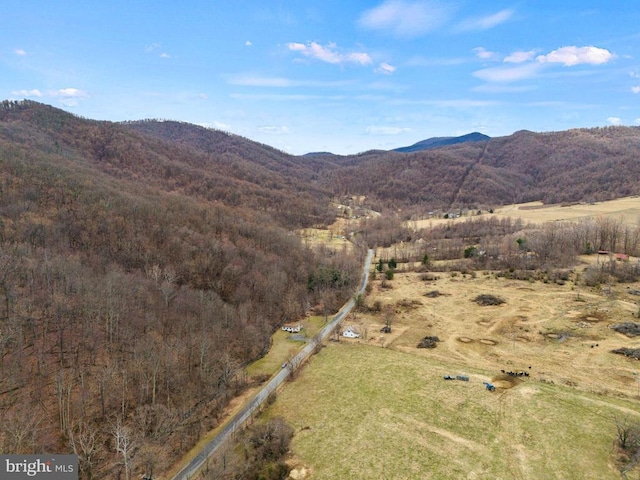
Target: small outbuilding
{"type": "Point", "coordinates": [351, 332]}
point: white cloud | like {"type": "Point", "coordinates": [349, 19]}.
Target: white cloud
{"type": "Point", "coordinates": [636, 89]}
{"type": "Point", "coordinates": [507, 73]}
{"type": "Point", "coordinates": [379, 130]}
{"type": "Point", "coordinates": [217, 125]}
{"type": "Point", "coordinates": [274, 97]}
{"type": "Point", "coordinates": [614, 120]}
{"type": "Point", "coordinates": [27, 93]}
{"type": "Point", "coordinates": [165, 55]}
{"type": "Point", "coordinates": [420, 61]}
{"type": "Point", "coordinates": [570, 56]}
{"type": "Point", "coordinates": [250, 80]}
{"type": "Point", "coordinates": [248, 43]}
{"type": "Point", "coordinates": [66, 96]}
{"type": "Point", "coordinates": [221, 126]}
{"type": "Point", "coordinates": [358, 57]}
{"type": "Point", "coordinates": [520, 57]}
{"type": "Point", "coordinates": [152, 47]}
{"type": "Point", "coordinates": [386, 69]}
{"type": "Point", "coordinates": [275, 130]}
{"type": "Point", "coordinates": [69, 93]}
{"type": "Point", "coordinates": [634, 74]}
{"type": "Point", "coordinates": [455, 103]}
{"type": "Point", "coordinates": [404, 18]}
{"type": "Point", "coordinates": [503, 88]}
{"type": "Point", "coordinates": [257, 81]}
{"type": "Point", "coordinates": [69, 96]}
{"type": "Point", "coordinates": [464, 103]}
{"type": "Point", "coordinates": [484, 54]}
{"type": "Point", "coordinates": [486, 22]}
{"type": "Point", "coordinates": [203, 96]}
{"type": "Point", "coordinates": [20, 52]}
{"type": "Point", "coordinates": [329, 54]}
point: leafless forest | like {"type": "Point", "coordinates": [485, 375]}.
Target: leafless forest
{"type": "Point", "coordinates": [143, 264]}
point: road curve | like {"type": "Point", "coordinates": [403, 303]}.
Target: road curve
{"type": "Point", "coordinates": [237, 421]}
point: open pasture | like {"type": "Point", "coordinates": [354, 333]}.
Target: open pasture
{"type": "Point", "coordinates": [626, 210]}
{"type": "Point", "coordinates": [332, 238]}
{"type": "Point", "coordinates": [379, 407]}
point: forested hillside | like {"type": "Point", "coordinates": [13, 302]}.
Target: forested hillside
{"type": "Point", "coordinates": [571, 166]}
{"type": "Point", "coordinates": [137, 278]}
{"type": "Point", "coordinates": [204, 164]}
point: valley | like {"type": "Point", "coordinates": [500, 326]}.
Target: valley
{"type": "Point", "coordinates": [148, 267]}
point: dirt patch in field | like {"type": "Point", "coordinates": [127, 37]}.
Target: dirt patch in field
{"type": "Point", "coordinates": [593, 317]}
{"type": "Point", "coordinates": [299, 473]}
{"type": "Point", "coordinates": [552, 326]}
{"type": "Point", "coordinates": [505, 382]}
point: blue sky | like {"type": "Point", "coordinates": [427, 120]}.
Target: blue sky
{"type": "Point", "coordinates": [339, 76]}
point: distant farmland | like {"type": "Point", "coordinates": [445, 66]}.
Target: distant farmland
{"type": "Point", "coordinates": [627, 210]}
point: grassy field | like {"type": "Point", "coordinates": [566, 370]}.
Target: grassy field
{"type": "Point", "coordinates": [363, 411]}
{"type": "Point", "coordinates": [332, 238]}
{"type": "Point", "coordinates": [284, 346]}
{"type": "Point", "coordinates": [627, 210]}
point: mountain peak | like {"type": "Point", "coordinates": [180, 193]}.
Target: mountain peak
{"type": "Point", "coordinates": [437, 142]}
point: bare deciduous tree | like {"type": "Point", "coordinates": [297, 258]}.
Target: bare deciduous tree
{"type": "Point", "coordinates": [85, 443]}
{"type": "Point", "coordinates": [20, 431]}
{"type": "Point", "coordinates": [124, 445]}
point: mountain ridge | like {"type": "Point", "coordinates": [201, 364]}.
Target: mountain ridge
{"type": "Point", "coordinates": [437, 142]}
{"type": "Point", "coordinates": [218, 166]}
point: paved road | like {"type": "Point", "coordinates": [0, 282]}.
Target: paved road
{"type": "Point", "coordinates": [192, 468]}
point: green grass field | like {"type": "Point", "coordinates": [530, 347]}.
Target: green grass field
{"type": "Point", "coordinates": [363, 412]}
{"type": "Point", "coordinates": [282, 348]}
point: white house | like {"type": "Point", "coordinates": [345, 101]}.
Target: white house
{"type": "Point", "coordinates": [350, 332]}
{"type": "Point", "coordinates": [292, 328]}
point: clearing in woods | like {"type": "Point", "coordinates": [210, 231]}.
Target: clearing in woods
{"type": "Point", "coordinates": [378, 407]}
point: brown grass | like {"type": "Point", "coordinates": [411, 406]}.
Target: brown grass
{"type": "Point", "coordinates": [625, 209]}
{"type": "Point", "coordinates": [548, 325]}
{"type": "Point", "coordinates": [374, 409]}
